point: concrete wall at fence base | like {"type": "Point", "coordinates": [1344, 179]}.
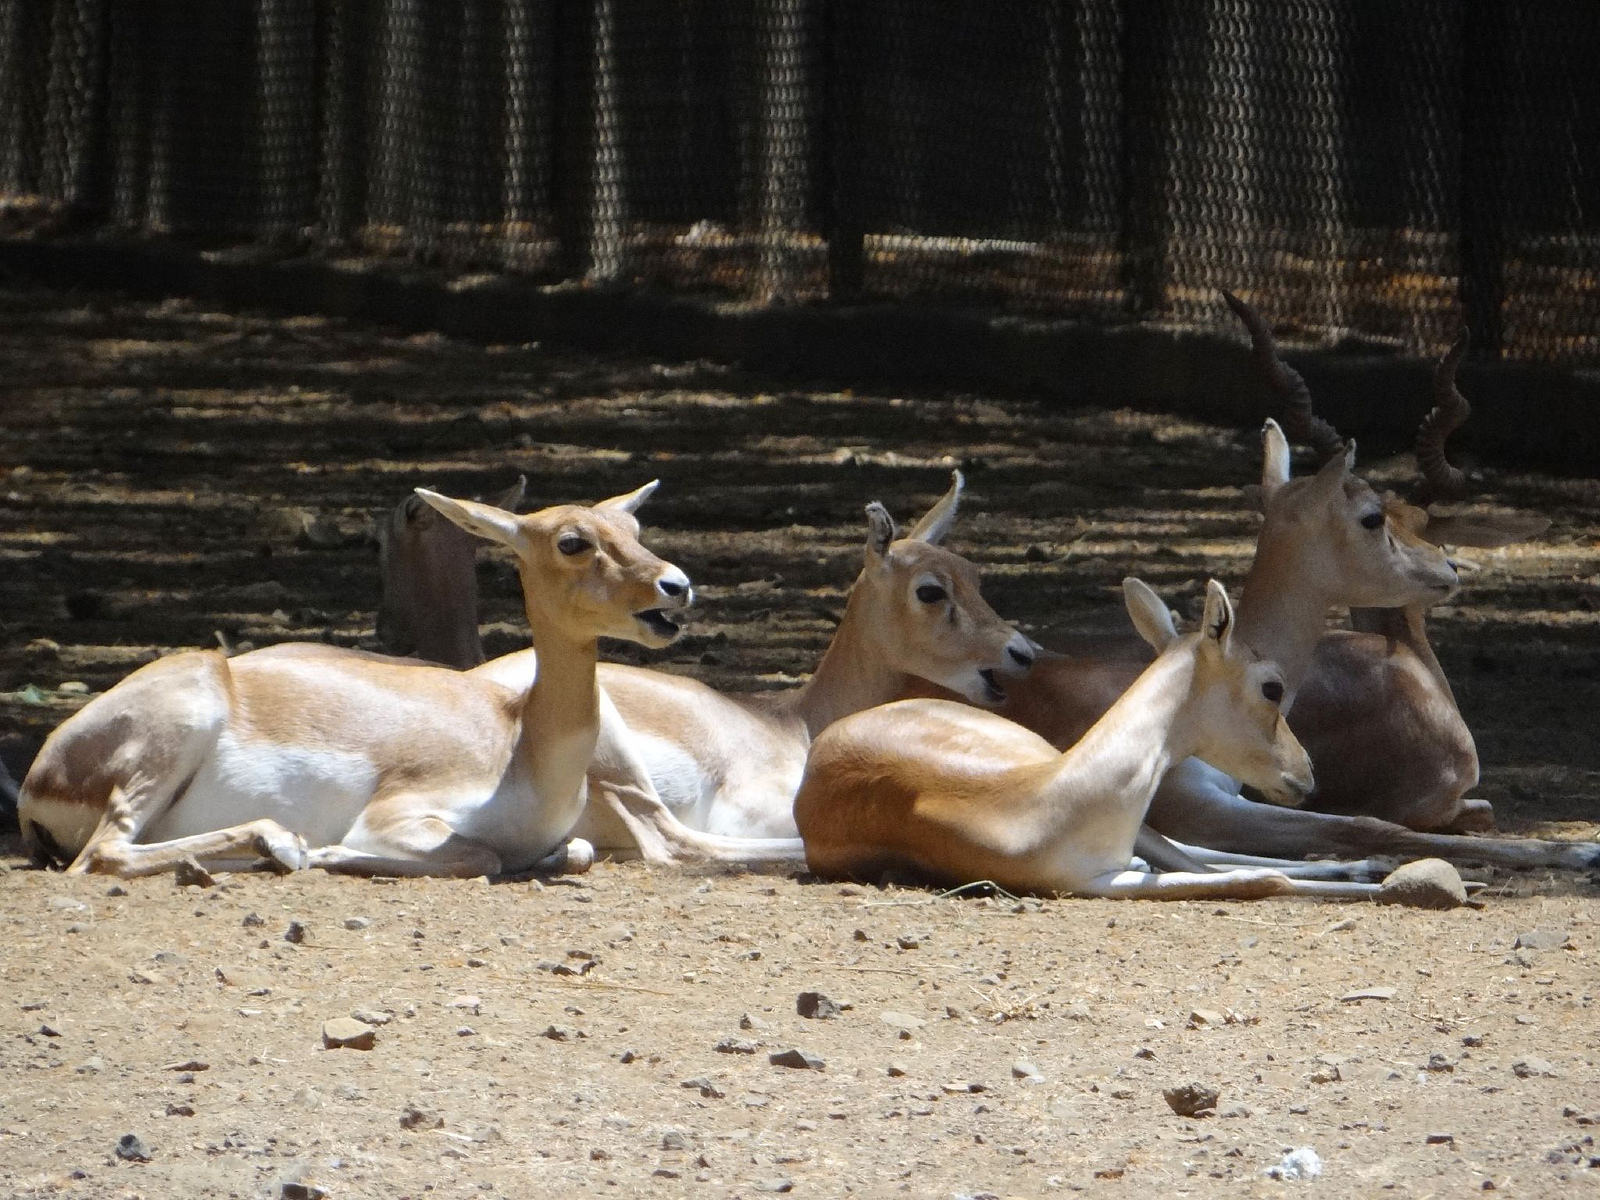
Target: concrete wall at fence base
{"type": "Point", "coordinates": [1523, 414]}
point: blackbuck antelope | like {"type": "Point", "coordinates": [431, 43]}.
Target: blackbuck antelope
{"type": "Point", "coordinates": [1373, 709]}
{"type": "Point", "coordinates": [952, 794]}
{"type": "Point", "coordinates": [690, 773]}
{"type": "Point", "coordinates": [302, 755]}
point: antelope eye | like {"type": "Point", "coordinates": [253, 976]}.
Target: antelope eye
{"type": "Point", "coordinates": [572, 543]}
{"type": "Point", "coordinates": [931, 593]}
{"type": "Point", "coordinates": [1373, 520]}
{"type": "Point", "coordinates": [1273, 691]}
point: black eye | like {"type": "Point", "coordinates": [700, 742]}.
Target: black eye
{"type": "Point", "coordinates": [1373, 520]}
{"type": "Point", "coordinates": [572, 543]}
{"type": "Point", "coordinates": [931, 593]}
{"type": "Point", "coordinates": [1273, 691]}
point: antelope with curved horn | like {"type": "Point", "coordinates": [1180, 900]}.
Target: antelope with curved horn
{"type": "Point", "coordinates": [1375, 712]}
{"type": "Point", "coordinates": [689, 773]}
{"type": "Point", "coordinates": [953, 794]}
{"type": "Point", "coordinates": [302, 755]}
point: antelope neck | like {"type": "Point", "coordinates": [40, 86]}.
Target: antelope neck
{"type": "Point", "coordinates": [851, 676]}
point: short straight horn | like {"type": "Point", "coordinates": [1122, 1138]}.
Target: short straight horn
{"type": "Point", "coordinates": [1441, 480]}
{"type": "Point", "coordinates": [1299, 422]}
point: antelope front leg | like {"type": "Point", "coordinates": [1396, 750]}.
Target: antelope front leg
{"type": "Point", "coordinates": [112, 850]}
{"type": "Point", "coordinates": [407, 846]}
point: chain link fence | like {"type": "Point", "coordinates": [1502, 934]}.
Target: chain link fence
{"type": "Point", "coordinates": [1392, 169]}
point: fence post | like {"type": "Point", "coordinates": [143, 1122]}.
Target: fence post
{"type": "Point", "coordinates": [1484, 30]}
{"type": "Point", "coordinates": [844, 228]}
{"type": "Point", "coordinates": [1146, 128]}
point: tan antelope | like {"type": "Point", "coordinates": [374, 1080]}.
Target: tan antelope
{"type": "Point", "coordinates": [691, 773]}
{"type": "Point", "coordinates": [1373, 708]}
{"type": "Point", "coordinates": [302, 755]}
{"type": "Point", "coordinates": [954, 794]}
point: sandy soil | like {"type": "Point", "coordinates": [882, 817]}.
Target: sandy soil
{"type": "Point", "coordinates": [169, 475]}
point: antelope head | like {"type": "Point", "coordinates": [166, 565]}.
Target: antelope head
{"type": "Point", "coordinates": [583, 569]}
{"type": "Point", "coordinates": [924, 611]}
{"type": "Point", "coordinates": [1234, 708]}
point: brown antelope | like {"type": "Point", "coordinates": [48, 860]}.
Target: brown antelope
{"type": "Point", "coordinates": [689, 773]}
{"type": "Point", "coordinates": [435, 558]}
{"type": "Point", "coordinates": [953, 794]}
{"type": "Point", "coordinates": [311, 755]}
{"type": "Point", "coordinates": [1373, 708]}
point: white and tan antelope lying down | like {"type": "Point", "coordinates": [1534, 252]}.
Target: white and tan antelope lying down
{"type": "Point", "coordinates": [302, 755]}
{"type": "Point", "coordinates": [693, 774]}
{"type": "Point", "coordinates": [952, 794]}
{"type": "Point", "coordinates": [1377, 709]}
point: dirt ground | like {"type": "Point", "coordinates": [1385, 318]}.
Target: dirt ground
{"type": "Point", "coordinates": [170, 476]}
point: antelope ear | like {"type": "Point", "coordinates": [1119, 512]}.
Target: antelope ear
{"type": "Point", "coordinates": [1217, 623]}
{"type": "Point", "coordinates": [630, 501]}
{"type": "Point", "coordinates": [937, 520]}
{"type": "Point", "coordinates": [1149, 614]}
{"type": "Point", "coordinates": [1330, 478]}
{"type": "Point", "coordinates": [880, 530]}
{"type": "Point", "coordinates": [1485, 533]}
{"type": "Point", "coordinates": [1274, 460]}
{"type": "Point", "coordinates": [485, 520]}
{"type": "Point", "coordinates": [511, 499]}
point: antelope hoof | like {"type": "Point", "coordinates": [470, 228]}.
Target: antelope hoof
{"type": "Point", "coordinates": [284, 853]}
{"type": "Point", "coordinates": [578, 857]}
{"type": "Point", "coordinates": [1476, 815]}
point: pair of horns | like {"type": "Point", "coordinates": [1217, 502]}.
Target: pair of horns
{"type": "Point", "coordinates": [1441, 479]}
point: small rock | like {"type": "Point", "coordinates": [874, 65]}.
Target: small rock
{"type": "Point", "coordinates": [798, 1059]}
{"type": "Point", "coordinates": [1438, 1062]}
{"type": "Point", "coordinates": [116, 889]}
{"type": "Point", "coordinates": [91, 1066]}
{"type": "Point", "coordinates": [346, 1033]}
{"type": "Point", "coordinates": [1304, 1163]}
{"type": "Point", "coordinates": [188, 873]}
{"type": "Point", "coordinates": [1234, 1112]}
{"type": "Point", "coordinates": [1200, 1018]}
{"type": "Point", "coordinates": [751, 1022]}
{"type": "Point", "coordinates": [1439, 1139]}
{"type": "Point", "coordinates": [131, 1149]}
{"type": "Point", "coordinates": [420, 1118]}
{"type": "Point", "coordinates": [49, 1031]}
{"type": "Point", "coordinates": [252, 921]}
{"type": "Point", "coordinates": [557, 1033]}
{"type": "Point", "coordinates": [1191, 1099]}
{"type": "Point", "coordinates": [296, 933]}
{"type": "Point", "coordinates": [369, 1016]}
{"type": "Point", "coordinates": [733, 1045]}
{"type": "Point", "coordinates": [180, 1110]}
{"type": "Point", "coordinates": [904, 1022]}
{"type": "Point", "coordinates": [1533, 1068]}
{"type": "Point", "coordinates": [466, 1031]}
{"type": "Point", "coordinates": [1541, 939]}
{"type": "Point", "coordinates": [775, 1185]}
{"type": "Point", "coordinates": [1023, 1069]}
{"type": "Point", "coordinates": [357, 922]}
{"type": "Point", "coordinates": [704, 1086]}
{"type": "Point", "coordinates": [895, 1071]}
{"type": "Point", "coordinates": [1425, 883]}
{"type": "Point", "coordinates": [815, 1006]}
{"type": "Point", "coordinates": [187, 1065]}
{"type": "Point", "coordinates": [908, 941]}
{"type": "Point", "coordinates": [300, 1190]}
{"type": "Point", "coordinates": [674, 1139]}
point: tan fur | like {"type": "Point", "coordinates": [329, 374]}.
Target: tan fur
{"type": "Point", "coordinates": [956, 795]}
{"type": "Point", "coordinates": [371, 764]}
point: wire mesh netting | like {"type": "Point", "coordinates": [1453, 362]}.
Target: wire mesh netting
{"type": "Point", "coordinates": [1393, 169]}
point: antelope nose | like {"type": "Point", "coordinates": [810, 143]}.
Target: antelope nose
{"type": "Point", "coordinates": [675, 586]}
{"type": "Point", "coordinates": [1022, 657]}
